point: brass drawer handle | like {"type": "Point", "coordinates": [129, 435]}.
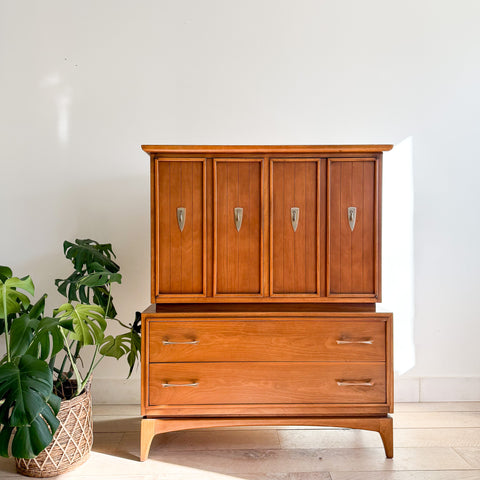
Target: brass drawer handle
{"type": "Point", "coordinates": [366, 341]}
{"type": "Point", "coordinates": [165, 385]}
{"type": "Point", "coordinates": [191, 342]}
{"type": "Point", "coordinates": [355, 383]}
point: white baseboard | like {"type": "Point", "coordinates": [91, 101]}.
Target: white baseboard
{"type": "Point", "coordinates": [437, 389]}
{"type": "Point", "coordinates": [407, 389]}
{"type": "Point", "coordinates": [116, 391]}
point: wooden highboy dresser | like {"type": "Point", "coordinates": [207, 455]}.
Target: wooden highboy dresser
{"type": "Point", "coordinates": [265, 272]}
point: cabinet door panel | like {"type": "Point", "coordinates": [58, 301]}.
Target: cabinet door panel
{"type": "Point", "coordinates": [238, 253]}
{"type": "Point", "coordinates": [352, 263]}
{"type": "Point", "coordinates": [180, 253]}
{"type": "Point", "coordinates": [294, 253]}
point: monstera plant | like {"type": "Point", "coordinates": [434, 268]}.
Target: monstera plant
{"type": "Point", "coordinates": [43, 362]}
{"type": "Point", "coordinates": [89, 308]}
{"type": "Point", "coordinates": [28, 406]}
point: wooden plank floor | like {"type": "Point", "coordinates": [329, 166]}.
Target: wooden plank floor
{"type": "Point", "coordinates": [433, 441]}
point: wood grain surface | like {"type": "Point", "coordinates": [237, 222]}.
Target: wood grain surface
{"type": "Point", "coordinates": [237, 254]}
{"type": "Point", "coordinates": [294, 254]}
{"type": "Point", "coordinates": [275, 339]}
{"type": "Point", "coordinates": [243, 149]}
{"type": "Point", "coordinates": [179, 268]}
{"type": "Point", "coordinates": [266, 383]}
{"type": "Point", "coordinates": [352, 253]}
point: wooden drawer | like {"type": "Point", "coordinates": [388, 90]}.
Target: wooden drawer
{"type": "Point", "coordinates": [266, 383]}
{"type": "Point", "coordinates": [267, 340]}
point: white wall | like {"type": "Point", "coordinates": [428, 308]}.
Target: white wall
{"type": "Point", "coordinates": [84, 84]}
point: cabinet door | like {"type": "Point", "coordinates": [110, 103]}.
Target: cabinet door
{"type": "Point", "coordinates": [238, 238]}
{"type": "Point", "coordinates": [352, 227]}
{"type": "Point", "coordinates": [180, 227]}
{"type": "Point", "coordinates": [294, 242]}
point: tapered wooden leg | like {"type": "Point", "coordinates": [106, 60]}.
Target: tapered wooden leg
{"type": "Point", "coordinates": [386, 432]}
{"type": "Point", "coordinates": [147, 432]}
{"type": "Point", "coordinates": [154, 426]}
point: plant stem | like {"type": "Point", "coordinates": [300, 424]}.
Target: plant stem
{"type": "Point", "coordinates": [62, 366]}
{"type": "Point", "coordinates": [77, 351]}
{"type": "Point", "coordinates": [93, 365]}
{"type": "Point", "coordinates": [60, 371]}
{"type": "Point", "coordinates": [51, 364]}
{"type": "Point", "coordinates": [75, 369]}
{"type": "Point", "coordinates": [129, 327]}
{"type": "Point", "coordinates": [108, 302]}
{"type": "Point", "coordinates": [7, 335]}
{"type": "Point", "coordinates": [98, 361]}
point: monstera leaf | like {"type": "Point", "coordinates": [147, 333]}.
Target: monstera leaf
{"type": "Point", "coordinates": [99, 277]}
{"type": "Point", "coordinates": [48, 339]}
{"type": "Point", "coordinates": [10, 296]}
{"type": "Point", "coordinates": [29, 409]}
{"type": "Point", "coordinates": [21, 333]}
{"type": "Point", "coordinates": [135, 348]}
{"type": "Point", "coordinates": [5, 272]}
{"type": "Point", "coordinates": [128, 344]}
{"type": "Point", "coordinates": [23, 328]}
{"type": "Point", "coordinates": [115, 346]}
{"type": "Point", "coordinates": [94, 272]}
{"type": "Point", "coordinates": [84, 253]}
{"type": "Point", "coordinates": [88, 322]}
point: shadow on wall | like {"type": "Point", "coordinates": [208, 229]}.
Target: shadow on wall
{"type": "Point", "coordinates": [398, 253]}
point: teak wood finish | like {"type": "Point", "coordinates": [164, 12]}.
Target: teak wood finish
{"type": "Point", "coordinates": [264, 297]}
{"type": "Point", "coordinates": [180, 269]}
{"type": "Point", "coordinates": [294, 254]}
{"type": "Point", "coordinates": [238, 266]}
{"type": "Point", "coordinates": [293, 339]}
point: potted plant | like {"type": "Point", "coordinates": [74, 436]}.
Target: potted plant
{"type": "Point", "coordinates": [28, 406]}
{"type": "Point", "coordinates": [81, 323]}
{"type": "Point", "coordinates": [89, 307]}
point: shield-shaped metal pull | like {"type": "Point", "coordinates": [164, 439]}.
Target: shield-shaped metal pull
{"type": "Point", "coordinates": [181, 212]}
{"type": "Point", "coordinates": [294, 214]}
{"type": "Point", "coordinates": [238, 217]}
{"type": "Point", "coordinates": [352, 217]}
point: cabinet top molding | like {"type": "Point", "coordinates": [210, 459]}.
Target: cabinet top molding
{"type": "Point", "coordinates": [266, 148]}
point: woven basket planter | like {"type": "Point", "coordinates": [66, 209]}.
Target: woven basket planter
{"type": "Point", "coordinates": [71, 443]}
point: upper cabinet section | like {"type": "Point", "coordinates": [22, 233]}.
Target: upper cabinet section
{"type": "Point", "coordinates": [266, 223]}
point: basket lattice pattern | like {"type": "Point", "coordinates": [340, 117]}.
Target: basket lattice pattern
{"type": "Point", "coordinates": [71, 443]}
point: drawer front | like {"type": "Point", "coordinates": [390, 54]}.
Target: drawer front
{"type": "Point", "coordinates": [266, 383]}
{"type": "Point", "coordinates": [268, 340]}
